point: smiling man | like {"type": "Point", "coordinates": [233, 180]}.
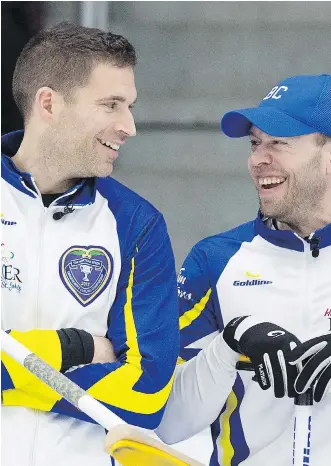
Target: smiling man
{"type": "Point", "coordinates": [88, 276]}
{"type": "Point", "coordinates": [260, 290]}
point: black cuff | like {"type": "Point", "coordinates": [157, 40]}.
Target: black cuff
{"type": "Point", "coordinates": [77, 347]}
{"type": "Point", "coordinates": [230, 330]}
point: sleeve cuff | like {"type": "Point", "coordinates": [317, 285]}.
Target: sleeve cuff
{"type": "Point", "coordinates": [77, 347]}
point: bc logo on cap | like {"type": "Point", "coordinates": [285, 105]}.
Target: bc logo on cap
{"type": "Point", "coordinates": [275, 92]}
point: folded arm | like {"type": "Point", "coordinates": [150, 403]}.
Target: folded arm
{"type": "Point", "coordinates": [143, 329]}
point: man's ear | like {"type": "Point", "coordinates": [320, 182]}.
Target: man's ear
{"type": "Point", "coordinates": [48, 103]}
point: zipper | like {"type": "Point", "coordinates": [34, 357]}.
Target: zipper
{"type": "Point", "coordinates": [38, 263]}
{"type": "Point", "coordinates": [34, 437]}
{"type": "Point", "coordinates": [39, 251]}
{"type": "Point", "coordinates": [311, 251]}
{"type": "Point", "coordinates": [306, 292]}
{"type": "Point", "coordinates": [42, 221]}
{"type": "Point", "coordinates": [314, 243]}
{"type": "Point", "coordinates": [307, 287]}
{"type": "Point", "coordinates": [37, 303]}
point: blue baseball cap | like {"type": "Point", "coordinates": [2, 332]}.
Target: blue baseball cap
{"type": "Point", "coordinates": [296, 106]}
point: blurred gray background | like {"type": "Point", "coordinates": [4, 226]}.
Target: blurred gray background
{"type": "Point", "coordinates": [196, 61]}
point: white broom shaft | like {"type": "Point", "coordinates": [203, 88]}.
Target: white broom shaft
{"type": "Point", "coordinates": [13, 348]}
{"type": "Point", "coordinates": [302, 428]}
{"type": "Point", "coordinates": [302, 422]}
{"type": "Point", "coordinates": [59, 382]}
{"type": "Point", "coordinates": [302, 436]}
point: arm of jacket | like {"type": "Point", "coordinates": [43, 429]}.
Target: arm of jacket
{"type": "Point", "coordinates": [45, 344]}
{"type": "Point", "coordinates": [202, 384]}
{"type": "Point", "coordinates": [143, 328]}
{"type": "Point", "coordinates": [61, 349]}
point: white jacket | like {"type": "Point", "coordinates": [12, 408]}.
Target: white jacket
{"type": "Point", "coordinates": [108, 268]}
{"type": "Point", "coordinates": [251, 270]}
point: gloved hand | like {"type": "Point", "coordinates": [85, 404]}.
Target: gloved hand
{"type": "Point", "coordinates": [268, 346]}
{"type": "Point", "coordinates": [318, 367]}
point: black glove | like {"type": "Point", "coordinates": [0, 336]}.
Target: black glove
{"type": "Point", "coordinates": [268, 346]}
{"type": "Point", "coordinates": [317, 368]}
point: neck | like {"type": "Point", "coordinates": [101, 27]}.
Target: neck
{"type": "Point", "coordinates": [307, 227]}
{"type": "Point", "coordinates": [30, 159]}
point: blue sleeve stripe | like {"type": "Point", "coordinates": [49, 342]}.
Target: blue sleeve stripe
{"type": "Point", "coordinates": [6, 381]}
{"type": "Point", "coordinates": [241, 449]}
{"type": "Point", "coordinates": [232, 439]}
{"type": "Point", "coordinates": [148, 421]}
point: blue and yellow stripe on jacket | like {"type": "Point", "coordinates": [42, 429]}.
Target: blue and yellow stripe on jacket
{"type": "Point", "coordinates": [201, 318]}
{"type": "Point", "coordinates": [230, 446]}
{"type": "Point", "coordinates": [19, 386]}
{"type": "Point", "coordinates": [143, 329]}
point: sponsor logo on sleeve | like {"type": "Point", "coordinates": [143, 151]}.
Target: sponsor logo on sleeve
{"type": "Point", "coordinates": [184, 295]}
{"type": "Point", "coordinates": [5, 221]}
{"type": "Point", "coordinates": [181, 279]}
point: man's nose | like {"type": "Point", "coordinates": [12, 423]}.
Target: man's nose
{"type": "Point", "coordinates": [126, 125]}
{"type": "Point", "coordinates": [261, 156]}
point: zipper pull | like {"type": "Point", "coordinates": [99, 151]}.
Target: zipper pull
{"type": "Point", "coordinates": [314, 245]}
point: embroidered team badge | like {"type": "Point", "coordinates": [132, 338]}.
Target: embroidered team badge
{"type": "Point", "coordinates": [86, 271]}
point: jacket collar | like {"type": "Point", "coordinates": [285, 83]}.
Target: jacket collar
{"type": "Point", "coordinates": [289, 239]}
{"type": "Point", "coordinates": [80, 195]}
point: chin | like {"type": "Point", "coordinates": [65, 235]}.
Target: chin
{"type": "Point", "coordinates": [103, 171]}
{"type": "Point", "coordinates": [269, 210]}
{"type": "Point", "coordinates": [276, 212]}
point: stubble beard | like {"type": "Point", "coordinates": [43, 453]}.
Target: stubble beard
{"type": "Point", "coordinates": [67, 154]}
{"type": "Point", "coordinates": [303, 199]}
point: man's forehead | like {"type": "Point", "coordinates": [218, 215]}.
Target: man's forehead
{"type": "Point", "coordinates": [106, 71]}
{"type": "Point", "coordinates": [257, 133]}
{"type": "Point", "coordinates": [109, 82]}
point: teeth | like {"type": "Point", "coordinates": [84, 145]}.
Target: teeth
{"type": "Point", "coordinates": [110, 144]}
{"type": "Point", "coordinates": [271, 180]}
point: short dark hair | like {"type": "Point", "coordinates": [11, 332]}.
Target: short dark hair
{"type": "Point", "coordinates": [63, 58]}
{"type": "Point", "coordinates": [322, 139]}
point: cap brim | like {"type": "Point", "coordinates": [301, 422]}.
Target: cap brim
{"type": "Point", "coordinates": [237, 123]}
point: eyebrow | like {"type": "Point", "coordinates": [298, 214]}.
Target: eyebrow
{"type": "Point", "coordinates": [113, 98]}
